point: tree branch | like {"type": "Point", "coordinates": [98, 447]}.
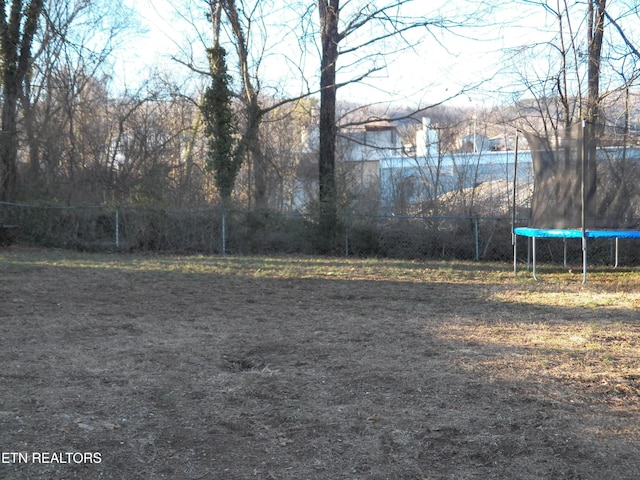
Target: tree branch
{"type": "Point", "coordinates": [622, 34]}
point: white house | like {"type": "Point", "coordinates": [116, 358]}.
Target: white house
{"type": "Point", "coordinates": [426, 140]}
{"type": "Point", "coordinates": [403, 180]}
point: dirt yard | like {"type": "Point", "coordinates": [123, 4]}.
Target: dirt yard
{"type": "Point", "coordinates": [213, 368]}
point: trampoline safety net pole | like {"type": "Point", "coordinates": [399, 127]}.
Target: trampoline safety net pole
{"type": "Point", "coordinates": [514, 238]}
{"type": "Point", "coordinates": [585, 132]}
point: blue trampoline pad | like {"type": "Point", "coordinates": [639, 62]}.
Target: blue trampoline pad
{"type": "Point", "coordinates": [574, 233]}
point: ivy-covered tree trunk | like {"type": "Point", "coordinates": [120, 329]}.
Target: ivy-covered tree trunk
{"type": "Point", "coordinates": [224, 157]}
{"type": "Point", "coordinates": [224, 153]}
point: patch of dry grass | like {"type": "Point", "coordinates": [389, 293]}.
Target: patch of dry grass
{"type": "Point", "coordinates": [289, 368]}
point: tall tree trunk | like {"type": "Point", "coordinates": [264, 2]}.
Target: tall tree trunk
{"type": "Point", "coordinates": [594, 127]}
{"type": "Point", "coordinates": [329, 16]}
{"type": "Point", "coordinates": [251, 142]}
{"type": "Point", "coordinates": [596, 16]}
{"type": "Point", "coordinates": [224, 156]}
{"type": "Point", "coordinates": [16, 38]}
{"type": "Point", "coordinates": [32, 138]}
{"type": "Point", "coordinates": [9, 143]}
{"type": "Point", "coordinates": [254, 113]}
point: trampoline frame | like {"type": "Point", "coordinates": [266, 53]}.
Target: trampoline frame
{"type": "Point", "coordinates": [564, 234]}
{"type": "Point", "coordinates": [583, 233]}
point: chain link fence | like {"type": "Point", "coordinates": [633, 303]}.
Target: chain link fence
{"type": "Point", "coordinates": [211, 231]}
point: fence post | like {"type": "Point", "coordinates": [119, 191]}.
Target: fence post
{"type": "Point", "coordinates": [224, 231]}
{"type": "Point", "coordinates": [117, 229]}
{"type": "Point", "coordinates": [346, 236]}
{"type": "Point", "coordinates": [477, 239]}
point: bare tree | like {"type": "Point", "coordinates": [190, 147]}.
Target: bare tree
{"type": "Point", "coordinates": [18, 25]}
{"type": "Point", "coordinates": [253, 110]}
{"type": "Point", "coordinates": [239, 26]}
{"type": "Point", "coordinates": [48, 48]}
{"type": "Point", "coordinates": [550, 71]}
{"type": "Point", "coordinates": [595, 34]}
{"type": "Point", "coordinates": [283, 139]}
{"type": "Point", "coordinates": [350, 31]}
{"type": "Point", "coordinates": [630, 10]}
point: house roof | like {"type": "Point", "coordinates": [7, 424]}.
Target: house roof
{"type": "Point", "coordinates": [379, 126]}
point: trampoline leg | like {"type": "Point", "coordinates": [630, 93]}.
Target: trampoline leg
{"type": "Point", "coordinates": [514, 239]}
{"type": "Point", "coordinates": [584, 261]}
{"type": "Point", "coordinates": [616, 264]}
{"type": "Point", "coordinates": [564, 245]}
{"type": "Point", "coordinates": [533, 244]}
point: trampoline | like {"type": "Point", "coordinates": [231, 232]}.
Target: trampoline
{"type": "Point", "coordinates": [564, 234]}
{"type": "Point", "coordinates": [581, 190]}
